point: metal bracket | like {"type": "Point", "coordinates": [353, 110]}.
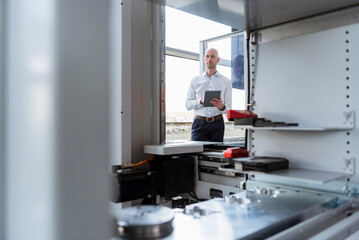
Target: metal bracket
{"type": "Point", "coordinates": [348, 118]}
{"type": "Point", "coordinates": [251, 104]}
{"type": "Point", "coordinates": [253, 39]}
{"type": "Point", "coordinates": [349, 165]}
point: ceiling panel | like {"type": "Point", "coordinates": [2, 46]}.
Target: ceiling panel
{"type": "Point", "coordinates": [256, 14]}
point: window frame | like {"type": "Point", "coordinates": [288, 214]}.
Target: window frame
{"type": "Point", "coordinates": [189, 55]}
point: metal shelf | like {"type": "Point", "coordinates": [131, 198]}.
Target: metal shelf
{"type": "Point", "coordinates": [297, 174]}
{"type": "Point", "coordinates": [318, 121]}
{"type": "Point", "coordinates": [299, 128]}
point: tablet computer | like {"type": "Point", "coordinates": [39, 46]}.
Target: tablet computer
{"type": "Point", "coordinates": [208, 96]}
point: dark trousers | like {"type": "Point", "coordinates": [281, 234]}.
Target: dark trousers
{"type": "Point", "coordinates": [207, 131]}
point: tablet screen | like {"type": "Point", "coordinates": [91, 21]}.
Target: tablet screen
{"type": "Point", "coordinates": [208, 96]}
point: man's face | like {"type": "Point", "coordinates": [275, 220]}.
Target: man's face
{"type": "Point", "coordinates": [211, 59]}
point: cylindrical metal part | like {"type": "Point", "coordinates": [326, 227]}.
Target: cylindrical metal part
{"type": "Point", "coordinates": [144, 222]}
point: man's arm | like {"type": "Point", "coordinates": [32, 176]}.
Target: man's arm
{"type": "Point", "coordinates": [226, 103]}
{"type": "Point", "coordinates": [193, 101]}
{"type": "Point", "coordinates": [228, 96]}
{"type": "Point", "coordinates": [218, 103]}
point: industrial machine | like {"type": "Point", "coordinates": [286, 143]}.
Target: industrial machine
{"type": "Point", "coordinates": [166, 176]}
{"type": "Point", "coordinates": [267, 200]}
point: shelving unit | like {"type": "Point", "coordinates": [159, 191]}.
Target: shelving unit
{"type": "Point", "coordinates": [299, 128]}
{"type": "Point", "coordinates": [323, 121]}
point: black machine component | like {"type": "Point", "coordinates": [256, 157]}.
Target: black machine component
{"type": "Point", "coordinates": [260, 164]}
{"type": "Point", "coordinates": [265, 164]}
{"type": "Point", "coordinates": [223, 146]}
{"type": "Point", "coordinates": [180, 202]}
{"type": "Point", "coordinates": [262, 122]}
{"type": "Point", "coordinates": [215, 193]}
{"type": "Point", "coordinates": [167, 176]}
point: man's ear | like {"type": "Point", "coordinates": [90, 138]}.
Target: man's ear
{"type": "Point", "coordinates": [218, 59]}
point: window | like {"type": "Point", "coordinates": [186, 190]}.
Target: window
{"type": "Point", "coordinates": [184, 33]}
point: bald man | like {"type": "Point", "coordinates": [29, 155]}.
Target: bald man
{"type": "Point", "coordinates": [208, 124]}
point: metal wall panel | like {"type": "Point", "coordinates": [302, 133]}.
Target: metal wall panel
{"type": "Point", "coordinates": [136, 80]}
{"type": "Point", "coordinates": [310, 78]}
{"type": "Point", "coordinates": [2, 142]}
{"type": "Point", "coordinates": [81, 122]}
{"type": "Point", "coordinates": [264, 13]}
{"type": "Point", "coordinates": [115, 95]}
{"type": "Point", "coordinates": [158, 108]}
{"type": "Point", "coordinates": [352, 90]}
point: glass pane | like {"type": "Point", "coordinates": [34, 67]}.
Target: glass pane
{"type": "Point", "coordinates": [179, 35]}
{"type": "Point", "coordinates": [178, 119]}
{"type": "Point", "coordinates": [231, 50]}
{"type": "Point", "coordinates": [180, 71]}
{"type": "Point", "coordinates": [238, 95]}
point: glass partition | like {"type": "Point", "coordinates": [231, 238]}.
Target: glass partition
{"type": "Point", "coordinates": [232, 51]}
{"type": "Point", "coordinates": [184, 61]}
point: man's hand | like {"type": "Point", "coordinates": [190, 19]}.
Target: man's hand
{"type": "Point", "coordinates": [217, 103]}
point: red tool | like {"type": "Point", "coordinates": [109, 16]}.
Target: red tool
{"type": "Point", "coordinates": [235, 153]}
{"type": "Point", "coordinates": [232, 114]}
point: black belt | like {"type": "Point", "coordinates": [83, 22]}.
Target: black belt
{"type": "Point", "coordinates": [209, 119]}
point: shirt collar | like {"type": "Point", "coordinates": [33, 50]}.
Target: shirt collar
{"type": "Point", "coordinates": [205, 74]}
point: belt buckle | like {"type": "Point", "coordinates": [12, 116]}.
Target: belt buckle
{"type": "Point", "coordinates": [210, 119]}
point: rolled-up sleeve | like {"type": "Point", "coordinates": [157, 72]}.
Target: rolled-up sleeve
{"type": "Point", "coordinates": [193, 100]}
{"type": "Point", "coordinates": [228, 96]}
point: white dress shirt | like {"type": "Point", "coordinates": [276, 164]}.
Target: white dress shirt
{"type": "Point", "coordinates": [202, 83]}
